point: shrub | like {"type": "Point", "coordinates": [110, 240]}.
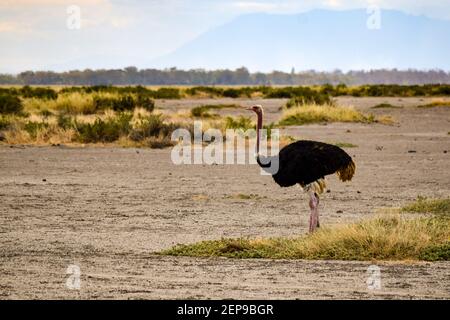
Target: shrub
{"type": "Point", "coordinates": [202, 111]}
{"type": "Point", "coordinates": [211, 91]}
{"type": "Point", "coordinates": [232, 93]}
{"type": "Point", "coordinates": [309, 99]}
{"type": "Point", "coordinates": [241, 122]}
{"type": "Point", "coordinates": [65, 121]}
{"type": "Point", "coordinates": [46, 113]}
{"type": "Point", "coordinates": [159, 142]}
{"type": "Point", "coordinates": [5, 122]}
{"type": "Point", "coordinates": [10, 104]}
{"type": "Point", "coordinates": [121, 103]}
{"type": "Point", "coordinates": [325, 113]}
{"type": "Point", "coordinates": [144, 101]}
{"type": "Point", "coordinates": [108, 130]}
{"type": "Point", "coordinates": [33, 127]}
{"type": "Point", "coordinates": [125, 103]}
{"type": "Point", "coordinates": [39, 93]}
{"type": "Point", "coordinates": [152, 126]}
{"type": "Point", "coordinates": [166, 93]}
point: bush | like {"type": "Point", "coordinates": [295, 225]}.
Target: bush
{"type": "Point", "coordinates": [33, 127]}
{"type": "Point", "coordinates": [241, 122]}
{"type": "Point", "coordinates": [144, 101]}
{"type": "Point", "coordinates": [152, 126]}
{"type": "Point", "coordinates": [232, 93]}
{"type": "Point", "coordinates": [10, 104]}
{"type": "Point", "coordinates": [39, 93]}
{"type": "Point", "coordinates": [108, 130]}
{"type": "Point", "coordinates": [203, 111]}
{"type": "Point", "coordinates": [312, 113]}
{"type": "Point", "coordinates": [102, 103]}
{"type": "Point", "coordinates": [211, 91]}
{"type": "Point", "coordinates": [46, 113]}
{"type": "Point", "coordinates": [301, 95]}
{"type": "Point", "coordinates": [5, 122]}
{"type": "Point", "coordinates": [64, 121]}
{"type": "Point", "coordinates": [124, 103]}
{"type": "Point", "coordinates": [166, 93]}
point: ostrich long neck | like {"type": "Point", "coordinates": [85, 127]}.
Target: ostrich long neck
{"type": "Point", "coordinates": [258, 130]}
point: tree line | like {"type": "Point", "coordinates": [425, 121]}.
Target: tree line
{"type": "Point", "coordinates": [240, 76]}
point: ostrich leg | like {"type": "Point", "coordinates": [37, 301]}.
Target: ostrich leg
{"type": "Point", "coordinates": [314, 217]}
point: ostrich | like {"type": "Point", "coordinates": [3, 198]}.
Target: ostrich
{"type": "Point", "coordinates": [305, 163]}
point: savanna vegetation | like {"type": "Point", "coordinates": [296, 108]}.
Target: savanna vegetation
{"type": "Point", "coordinates": [127, 115]}
{"type": "Point", "coordinates": [384, 237]}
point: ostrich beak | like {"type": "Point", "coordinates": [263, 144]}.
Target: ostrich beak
{"type": "Point", "coordinates": [249, 108]}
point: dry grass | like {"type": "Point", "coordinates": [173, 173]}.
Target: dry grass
{"type": "Point", "coordinates": [436, 103]}
{"type": "Point", "coordinates": [313, 113]}
{"type": "Point", "coordinates": [73, 103]}
{"type": "Point", "coordinates": [243, 196]}
{"type": "Point", "coordinates": [51, 134]}
{"type": "Point", "coordinates": [391, 237]}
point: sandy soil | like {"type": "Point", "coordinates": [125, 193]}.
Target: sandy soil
{"type": "Point", "coordinates": [107, 209]}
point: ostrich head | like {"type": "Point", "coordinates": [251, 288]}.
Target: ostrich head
{"type": "Point", "coordinates": [257, 109]}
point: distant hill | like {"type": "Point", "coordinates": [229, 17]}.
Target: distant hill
{"type": "Point", "coordinates": [320, 40]}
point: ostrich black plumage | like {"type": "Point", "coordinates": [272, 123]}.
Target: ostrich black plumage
{"type": "Point", "coordinates": [305, 163]}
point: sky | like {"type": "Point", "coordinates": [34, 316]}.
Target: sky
{"type": "Point", "coordinates": [45, 34]}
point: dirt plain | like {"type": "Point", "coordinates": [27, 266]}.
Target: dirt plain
{"type": "Point", "coordinates": [108, 209]}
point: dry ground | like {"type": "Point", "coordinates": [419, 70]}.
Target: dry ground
{"type": "Point", "coordinates": [108, 209]}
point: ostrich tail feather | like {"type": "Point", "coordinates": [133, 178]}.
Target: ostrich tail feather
{"type": "Point", "coordinates": [346, 173]}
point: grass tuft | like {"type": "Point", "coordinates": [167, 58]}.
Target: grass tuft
{"type": "Point", "coordinates": [345, 145]}
{"type": "Point", "coordinates": [385, 106]}
{"type": "Point", "coordinates": [424, 205]}
{"type": "Point", "coordinates": [437, 103]}
{"type": "Point", "coordinates": [203, 111]}
{"type": "Point", "coordinates": [382, 238]}
{"type": "Point", "coordinates": [313, 113]}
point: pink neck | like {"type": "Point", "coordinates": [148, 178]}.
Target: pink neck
{"type": "Point", "coordinates": [258, 129]}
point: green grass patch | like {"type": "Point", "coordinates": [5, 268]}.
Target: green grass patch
{"type": "Point", "coordinates": [435, 104]}
{"type": "Point", "coordinates": [386, 106]}
{"type": "Point", "coordinates": [345, 145]}
{"type": "Point", "coordinates": [203, 111]}
{"type": "Point", "coordinates": [424, 205]}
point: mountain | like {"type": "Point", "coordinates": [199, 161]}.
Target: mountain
{"type": "Point", "coordinates": [318, 39]}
